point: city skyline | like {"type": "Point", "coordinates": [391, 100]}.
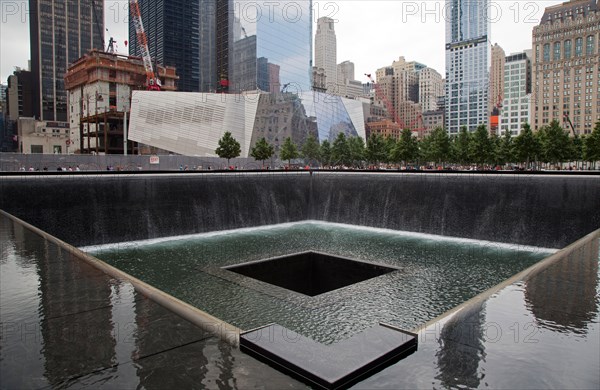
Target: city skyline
{"type": "Point", "coordinates": [393, 26]}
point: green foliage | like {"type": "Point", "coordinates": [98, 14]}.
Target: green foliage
{"type": "Point", "coordinates": [576, 149]}
{"type": "Point", "coordinates": [591, 145]}
{"type": "Point", "coordinates": [262, 150]}
{"type": "Point", "coordinates": [461, 146]}
{"type": "Point", "coordinates": [406, 149]}
{"type": "Point", "coordinates": [228, 147]}
{"type": "Point", "coordinates": [555, 143]}
{"type": "Point", "coordinates": [390, 144]}
{"type": "Point", "coordinates": [289, 150]}
{"type": "Point", "coordinates": [526, 145]}
{"type": "Point", "coordinates": [356, 146]}
{"type": "Point", "coordinates": [438, 148]}
{"type": "Point", "coordinates": [310, 149]}
{"type": "Point", "coordinates": [325, 153]}
{"type": "Point", "coordinates": [340, 150]}
{"type": "Point", "coordinates": [481, 148]}
{"type": "Point", "coordinates": [376, 149]}
{"type": "Point", "coordinates": [505, 152]}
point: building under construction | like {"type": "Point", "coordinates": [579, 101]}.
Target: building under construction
{"type": "Point", "coordinates": [99, 87]}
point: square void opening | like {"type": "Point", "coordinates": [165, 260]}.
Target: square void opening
{"type": "Point", "coordinates": [310, 273]}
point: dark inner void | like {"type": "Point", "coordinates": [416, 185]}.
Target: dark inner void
{"type": "Point", "coordinates": [310, 273]}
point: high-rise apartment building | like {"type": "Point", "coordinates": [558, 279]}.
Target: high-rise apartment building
{"type": "Point", "coordinates": [60, 33]}
{"type": "Point", "coordinates": [517, 93]}
{"type": "Point", "coordinates": [326, 50]}
{"type": "Point", "coordinates": [398, 86]}
{"type": "Point", "coordinates": [173, 31]}
{"type": "Point", "coordinates": [347, 86]}
{"type": "Point", "coordinates": [431, 87]}
{"type": "Point", "coordinates": [467, 64]}
{"type": "Point", "coordinates": [496, 77]}
{"type": "Point", "coordinates": [565, 67]}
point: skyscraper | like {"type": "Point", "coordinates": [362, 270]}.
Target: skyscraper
{"type": "Point", "coordinates": [496, 77]}
{"type": "Point", "coordinates": [565, 69]}
{"type": "Point", "coordinates": [173, 31]}
{"type": "Point", "coordinates": [270, 45]}
{"type": "Point", "coordinates": [326, 50]}
{"type": "Point", "coordinates": [61, 32]}
{"type": "Point", "coordinates": [467, 64]}
{"type": "Point", "coordinates": [517, 93]}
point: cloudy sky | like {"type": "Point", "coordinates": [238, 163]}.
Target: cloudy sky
{"type": "Point", "coordinates": [369, 33]}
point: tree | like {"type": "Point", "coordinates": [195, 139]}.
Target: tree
{"type": "Point", "coordinates": [376, 149]}
{"type": "Point", "coordinates": [325, 153]}
{"type": "Point", "coordinates": [505, 149]}
{"type": "Point", "coordinates": [591, 145]}
{"type": "Point", "coordinates": [228, 147]}
{"type": "Point", "coordinates": [289, 151]}
{"type": "Point", "coordinates": [340, 151]}
{"type": "Point", "coordinates": [356, 146]}
{"type": "Point", "coordinates": [555, 143]}
{"type": "Point", "coordinates": [311, 149]}
{"type": "Point", "coordinates": [406, 149]}
{"type": "Point", "coordinates": [526, 146]}
{"type": "Point", "coordinates": [576, 149]}
{"type": "Point", "coordinates": [262, 150]}
{"type": "Point", "coordinates": [461, 147]}
{"type": "Point", "coordinates": [439, 146]}
{"type": "Point", "coordinates": [481, 146]}
{"type": "Point", "coordinates": [390, 144]}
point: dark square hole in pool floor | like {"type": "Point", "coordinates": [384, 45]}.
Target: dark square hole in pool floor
{"type": "Point", "coordinates": [310, 273]}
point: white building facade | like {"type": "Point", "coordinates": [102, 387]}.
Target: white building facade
{"type": "Point", "coordinates": [326, 50]}
{"type": "Point", "coordinates": [517, 93]}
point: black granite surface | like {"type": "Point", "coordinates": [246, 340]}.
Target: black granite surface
{"type": "Point", "coordinates": [541, 210]}
{"type": "Point", "coordinates": [329, 366]}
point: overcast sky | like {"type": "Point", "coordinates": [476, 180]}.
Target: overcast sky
{"type": "Point", "coordinates": [369, 33]}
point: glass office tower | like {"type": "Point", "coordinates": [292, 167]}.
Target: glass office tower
{"type": "Point", "coordinates": [271, 46]}
{"type": "Point", "coordinates": [468, 57]}
{"type": "Point", "coordinates": [61, 32]}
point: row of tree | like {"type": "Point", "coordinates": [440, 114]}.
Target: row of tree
{"type": "Point", "coordinates": [551, 144]}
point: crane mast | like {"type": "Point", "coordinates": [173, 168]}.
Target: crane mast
{"type": "Point", "coordinates": [152, 81]}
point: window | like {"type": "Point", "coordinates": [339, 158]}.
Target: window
{"type": "Point", "coordinates": [589, 45]}
{"type": "Point", "coordinates": [57, 149]}
{"type": "Point", "coordinates": [567, 49]}
{"type": "Point", "coordinates": [556, 51]}
{"type": "Point", "coordinates": [547, 52]}
{"type": "Point", "coordinates": [578, 47]}
{"type": "Point", "coordinates": [37, 149]}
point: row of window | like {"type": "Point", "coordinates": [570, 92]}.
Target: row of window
{"type": "Point", "coordinates": [566, 51]}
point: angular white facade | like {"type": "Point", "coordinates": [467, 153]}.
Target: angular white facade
{"type": "Point", "coordinates": [517, 93]}
{"type": "Point", "coordinates": [192, 123]}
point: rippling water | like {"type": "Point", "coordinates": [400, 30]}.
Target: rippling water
{"type": "Point", "coordinates": [435, 274]}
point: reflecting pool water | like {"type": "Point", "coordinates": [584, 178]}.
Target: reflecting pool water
{"type": "Point", "coordinates": [434, 274]}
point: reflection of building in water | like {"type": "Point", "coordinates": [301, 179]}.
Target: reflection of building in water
{"type": "Point", "coordinates": [77, 325]}
{"type": "Point", "coordinates": [462, 349]}
{"type": "Point", "coordinates": [282, 115]}
{"type": "Point", "coordinates": [192, 123]}
{"type": "Point", "coordinates": [564, 295]}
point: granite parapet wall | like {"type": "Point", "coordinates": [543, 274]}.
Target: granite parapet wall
{"type": "Point", "coordinates": [541, 210]}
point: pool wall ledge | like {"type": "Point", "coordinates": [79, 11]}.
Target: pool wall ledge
{"type": "Point", "coordinates": [589, 240]}
{"type": "Point", "coordinates": [203, 320]}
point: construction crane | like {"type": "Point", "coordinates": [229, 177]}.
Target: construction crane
{"type": "Point", "coordinates": [152, 81]}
